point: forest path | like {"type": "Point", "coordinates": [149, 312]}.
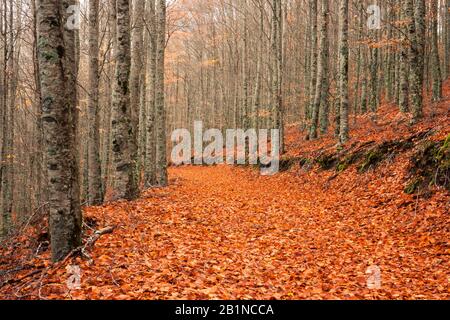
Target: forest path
{"type": "Point", "coordinates": [226, 232]}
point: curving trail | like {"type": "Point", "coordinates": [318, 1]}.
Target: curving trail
{"type": "Point", "coordinates": [222, 232]}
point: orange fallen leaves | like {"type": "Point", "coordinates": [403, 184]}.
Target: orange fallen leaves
{"type": "Point", "coordinates": [227, 233]}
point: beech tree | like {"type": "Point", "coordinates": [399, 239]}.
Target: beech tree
{"type": "Point", "coordinates": [57, 65]}
{"type": "Point", "coordinates": [123, 142]}
{"type": "Point", "coordinates": [343, 71]}
{"type": "Point", "coordinates": [436, 61]}
{"type": "Point", "coordinates": [150, 155]}
{"type": "Point", "coordinates": [321, 92]}
{"type": "Point", "coordinates": [95, 182]}
{"type": "Point", "coordinates": [160, 119]}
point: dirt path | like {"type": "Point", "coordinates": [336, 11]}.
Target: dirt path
{"type": "Point", "coordinates": [221, 232]}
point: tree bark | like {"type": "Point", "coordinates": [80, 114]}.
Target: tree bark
{"type": "Point", "coordinates": [150, 158]}
{"type": "Point", "coordinates": [137, 62]}
{"type": "Point", "coordinates": [161, 156]}
{"type": "Point", "coordinates": [313, 59]}
{"type": "Point", "coordinates": [436, 62]}
{"type": "Point", "coordinates": [95, 194]}
{"type": "Point", "coordinates": [56, 65]}
{"type": "Point", "coordinates": [124, 185]}
{"type": "Point", "coordinates": [416, 25]}
{"type": "Point", "coordinates": [343, 70]}
{"type": "Point", "coordinates": [404, 64]}
{"type": "Point", "coordinates": [321, 90]}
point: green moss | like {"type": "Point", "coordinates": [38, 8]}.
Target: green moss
{"type": "Point", "coordinates": [50, 55]}
{"type": "Point", "coordinates": [413, 186]}
{"type": "Point", "coordinates": [371, 158]}
{"type": "Point", "coordinates": [327, 161]}
{"type": "Point", "coordinates": [430, 166]}
{"type": "Point", "coordinates": [287, 163]}
{"type": "Point", "coordinates": [304, 161]}
{"type": "Point", "coordinates": [443, 155]}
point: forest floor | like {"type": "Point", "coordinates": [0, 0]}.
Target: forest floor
{"type": "Point", "coordinates": [225, 232]}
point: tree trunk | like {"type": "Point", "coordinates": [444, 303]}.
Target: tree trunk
{"type": "Point", "coordinates": [313, 59]}
{"type": "Point", "coordinates": [404, 64]}
{"type": "Point", "coordinates": [137, 62]}
{"type": "Point", "coordinates": [343, 70]}
{"type": "Point", "coordinates": [124, 185]}
{"type": "Point", "coordinates": [95, 194]}
{"type": "Point", "coordinates": [56, 61]}
{"type": "Point", "coordinates": [436, 63]}
{"type": "Point", "coordinates": [258, 85]}
{"type": "Point", "coordinates": [321, 90]}
{"type": "Point", "coordinates": [416, 18]}
{"type": "Point", "coordinates": [447, 37]}
{"type": "Point", "coordinates": [161, 156]}
{"type": "Point", "coordinates": [150, 158]}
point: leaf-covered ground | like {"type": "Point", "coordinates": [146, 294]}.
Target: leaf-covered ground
{"type": "Point", "coordinates": [228, 233]}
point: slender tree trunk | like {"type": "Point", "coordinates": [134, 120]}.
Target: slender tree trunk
{"type": "Point", "coordinates": [142, 136]}
{"type": "Point", "coordinates": [137, 63]}
{"type": "Point", "coordinates": [322, 73]}
{"type": "Point", "coordinates": [373, 98]}
{"type": "Point", "coordinates": [13, 70]}
{"type": "Point", "coordinates": [389, 66]}
{"type": "Point", "coordinates": [161, 156]}
{"type": "Point", "coordinates": [436, 63]}
{"type": "Point", "coordinates": [95, 196]}
{"type": "Point", "coordinates": [343, 70]}
{"type": "Point", "coordinates": [41, 172]}
{"type": "Point", "coordinates": [364, 86]}
{"type": "Point", "coordinates": [404, 64]}
{"type": "Point", "coordinates": [279, 120]}
{"type": "Point", "coordinates": [150, 158]}
{"type": "Point", "coordinates": [111, 67]}
{"type": "Point", "coordinates": [416, 17]}
{"type": "Point", "coordinates": [5, 164]}
{"type": "Point", "coordinates": [446, 27]}
{"type": "Point", "coordinates": [245, 71]}
{"type": "Point", "coordinates": [307, 67]}
{"type": "Point", "coordinates": [313, 64]}
{"type": "Point", "coordinates": [124, 186]}
{"type": "Point", "coordinates": [356, 99]}
{"type": "Point", "coordinates": [257, 93]}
